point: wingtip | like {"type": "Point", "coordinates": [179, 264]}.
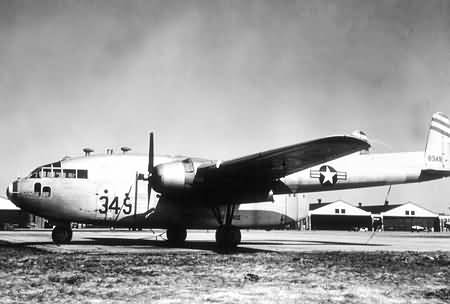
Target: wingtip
{"type": "Point", "coordinates": [361, 137]}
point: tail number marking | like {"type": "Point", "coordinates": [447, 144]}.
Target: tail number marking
{"type": "Point", "coordinates": [434, 158]}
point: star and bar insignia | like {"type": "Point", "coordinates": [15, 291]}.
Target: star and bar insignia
{"type": "Point", "coordinates": [327, 175]}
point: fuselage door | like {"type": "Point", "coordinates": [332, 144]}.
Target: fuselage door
{"type": "Point", "coordinates": [142, 204]}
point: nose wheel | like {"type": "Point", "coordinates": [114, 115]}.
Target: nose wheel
{"type": "Point", "coordinates": [62, 234]}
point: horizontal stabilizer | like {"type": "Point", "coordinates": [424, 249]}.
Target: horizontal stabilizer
{"type": "Point", "coordinates": [430, 174]}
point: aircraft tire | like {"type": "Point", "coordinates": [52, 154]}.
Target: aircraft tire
{"type": "Point", "coordinates": [228, 237]}
{"type": "Point", "coordinates": [61, 235]}
{"type": "Point", "coordinates": [176, 236]}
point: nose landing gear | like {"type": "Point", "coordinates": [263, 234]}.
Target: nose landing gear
{"type": "Point", "coordinates": [62, 234]}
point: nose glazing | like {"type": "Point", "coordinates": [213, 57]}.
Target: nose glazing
{"type": "Point", "coordinates": [12, 189]}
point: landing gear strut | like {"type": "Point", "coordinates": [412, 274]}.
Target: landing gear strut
{"type": "Point", "coordinates": [62, 234]}
{"type": "Point", "coordinates": [227, 236]}
{"type": "Point", "coordinates": [176, 236]}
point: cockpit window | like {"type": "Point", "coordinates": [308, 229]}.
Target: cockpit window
{"type": "Point", "coordinates": [47, 172]}
{"type": "Point", "coordinates": [188, 165]}
{"type": "Point", "coordinates": [57, 173]}
{"type": "Point", "coordinates": [69, 173]}
{"type": "Point", "coordinates": [36, 173]}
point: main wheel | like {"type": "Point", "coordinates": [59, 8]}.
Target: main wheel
{"type": "Point", "coordinates": [62, 234]}
{"type": "Point", "coordinates": [176, 236]}
{"type": "Point", "coordinates": [228, 237]}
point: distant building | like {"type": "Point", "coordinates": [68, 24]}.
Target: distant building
{"type": "Point", "coordinates": [13, 217]}
{"type": "Point", "coordinates": [402, 217]}
{"type": "Point", "coordinates": [444, 222]}
{"type": "Point", "coordinates": [338, 215]}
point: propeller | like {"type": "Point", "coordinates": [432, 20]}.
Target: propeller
{"type": "Point", "coordinates": [150, 168]}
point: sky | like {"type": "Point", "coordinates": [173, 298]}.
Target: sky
{"type": "Point", "coordinates": [222, 79]}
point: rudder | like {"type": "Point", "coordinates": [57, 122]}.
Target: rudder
{"type": "Point", "coordinates": [437, 148]}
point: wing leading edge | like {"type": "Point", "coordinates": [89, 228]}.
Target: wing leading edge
{"type": "Point", "coordinates": [273, 164]}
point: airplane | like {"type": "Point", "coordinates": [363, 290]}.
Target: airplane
{"type": "Point", "coordinates": [179, 192]}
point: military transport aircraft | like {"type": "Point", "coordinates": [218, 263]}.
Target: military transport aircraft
{"type": "Point", "coordinates": [179, 193]}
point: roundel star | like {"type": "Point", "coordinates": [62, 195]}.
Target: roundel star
{"type": "Point", "coordinates": [328, 175]}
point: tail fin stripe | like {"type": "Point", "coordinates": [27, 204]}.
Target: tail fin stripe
{"type": "Point", "coordinates": [440, 131]}
{"type": "Point", "coordinates": [434, 119]}
{"type": "Point", "coordinates": [441, 127]}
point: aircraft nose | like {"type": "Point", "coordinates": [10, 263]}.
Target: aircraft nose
{"type": "Point", "coordinates": [12, 189]}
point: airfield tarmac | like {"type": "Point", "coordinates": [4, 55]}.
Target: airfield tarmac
{"type": "Point", "coordinates": [103, 266]}
{"type": "Point", "coordinates": [124, 241]}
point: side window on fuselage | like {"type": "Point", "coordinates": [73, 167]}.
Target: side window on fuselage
{"type": "Point", "coordinates": [37, 189]}
{"type": "Point", "coordinates": [69, 173]}
{"type": "Point", "coordinates": [46, 192]}
{"type": "Point", "coordinates": [83, 174]}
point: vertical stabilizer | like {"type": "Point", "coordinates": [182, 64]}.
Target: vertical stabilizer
{"type": "Point", "coordinates": [437, 149]}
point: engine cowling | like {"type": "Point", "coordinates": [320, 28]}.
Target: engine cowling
{"type": "Point", "coordinates": [174, 176]}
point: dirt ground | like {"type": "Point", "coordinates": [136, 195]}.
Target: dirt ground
{"type": "Point", "coordinates": [29, 275]}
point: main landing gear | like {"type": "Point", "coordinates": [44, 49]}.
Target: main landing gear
{"type": "Point", "coordinates": [62, 234]}
{"type": "Point", "coordinates": [227, 236]}
{"type": "Point", "coordinates": [176, 236]}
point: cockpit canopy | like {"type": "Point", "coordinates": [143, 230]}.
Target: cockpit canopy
{"type": "Point", "coordinates": [54, 170]}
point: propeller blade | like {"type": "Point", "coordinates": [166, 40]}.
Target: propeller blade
{"type": "Point", "coordinates": [150, 154]}
{"type": "Point", "coordinates": [150, 168]}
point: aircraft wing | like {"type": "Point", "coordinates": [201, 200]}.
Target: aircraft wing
{"type": "Point", "coordinates": [273, 164]}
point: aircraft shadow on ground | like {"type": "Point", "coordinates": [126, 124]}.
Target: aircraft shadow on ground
{"type": "Point", "coordinates": [196, 245]}
{"type": "Point", "coordinates": [312, 243]}
{"type": "Point", "coordinates": [199, 245]}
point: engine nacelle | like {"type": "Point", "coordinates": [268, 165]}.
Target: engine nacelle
{"type": "Point", "coordinates": [174, 176]}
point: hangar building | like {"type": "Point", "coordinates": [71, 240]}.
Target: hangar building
{"type": "Point", "coordinates": [338, 215]}
{"type": "Point", "coordinates": [13, 217]}
{"type": "Point", "coordinates": [444, 222]}
{"type": "Point", "coordinates": [403, 217]}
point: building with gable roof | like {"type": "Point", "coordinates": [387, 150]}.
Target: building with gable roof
{"type": "Point", "coordinates": [12, 216]}
{"type": "Point", "coordinates": [402, 217]}
{"type": "Point", "coordinates": [338, 215]}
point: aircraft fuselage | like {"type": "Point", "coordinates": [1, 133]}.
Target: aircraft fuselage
{"type": "Point", "coordinates": [111, 194]}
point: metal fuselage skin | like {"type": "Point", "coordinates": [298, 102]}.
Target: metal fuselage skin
{"type": "Point", "coordinates": [111, 193]}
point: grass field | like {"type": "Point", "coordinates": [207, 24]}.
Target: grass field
{"type": "Point", "coordinates": [30, 275]}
